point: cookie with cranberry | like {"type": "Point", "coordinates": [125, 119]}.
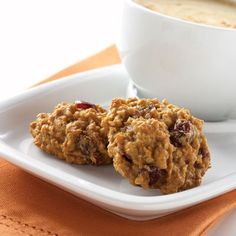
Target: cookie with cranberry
{"type": "Point", "coordinates": [156, 144]}
{"type": "Point", "coordinates": [73, 132]}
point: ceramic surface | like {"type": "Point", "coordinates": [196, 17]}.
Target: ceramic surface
{"type": "Point", "coordinates": [192, 65]}
{"type": "Point", "coordinates": [102, 185]}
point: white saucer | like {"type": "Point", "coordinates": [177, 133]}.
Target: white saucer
{"type": "Point", "coordinates": [102, 185]}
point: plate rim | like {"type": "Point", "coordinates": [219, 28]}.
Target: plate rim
{"type": "Point", "coordinates": [103, 194]}
{"type": "Point", "coordinates": [123, 200]}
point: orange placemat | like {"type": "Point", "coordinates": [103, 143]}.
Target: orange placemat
{"type": "Point", "coordinates": [30, 206]}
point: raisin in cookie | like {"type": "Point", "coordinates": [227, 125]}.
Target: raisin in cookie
{"type": "Point", "coordinates": [156, 144]}
{"type": "Point", "coordinates": [73, 132]}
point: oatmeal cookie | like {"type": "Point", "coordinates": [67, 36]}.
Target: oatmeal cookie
{"type": "Point", "coordinates": [73, 132]}
{"type": "Point", "coordinates": [156, 144]}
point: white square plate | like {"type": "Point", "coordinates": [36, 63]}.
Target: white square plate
{"type": "Point", "coordinates": [102, 185]}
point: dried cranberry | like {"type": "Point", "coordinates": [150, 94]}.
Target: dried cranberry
{"type": "Point", "coordinates": [84, 144]}
{"type": "Point", "coordinates": [203, 152]}
{"type": "Point", "coordinates": [197, 165]}
{"type": "Point", "coordinates": [84, 105]}
{"type": "Point", "coordinates": [187, 162]}
{"type": "Point", "coordinates": [154, 174]}
{"type": "Point", "coordinates": [147, 109]}
{"type": "Point", "coordinates": [99, 159]}
{"type": "Point", "coordinates": [175, 139]}
{"type": "Point", "coordinates": [182, 126]}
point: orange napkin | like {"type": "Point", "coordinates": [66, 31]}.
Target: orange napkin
{"type": "Point", "coordinates": [30, 206]}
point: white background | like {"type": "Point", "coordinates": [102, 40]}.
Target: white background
{"type": "Point", "coordinates": [41, 37]}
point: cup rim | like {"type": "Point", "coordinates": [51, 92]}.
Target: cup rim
{"type": "Point", "coordinates": [132, 3]}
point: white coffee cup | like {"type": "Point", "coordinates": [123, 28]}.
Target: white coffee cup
{"type": "Point", "coordinates": [191, 65]}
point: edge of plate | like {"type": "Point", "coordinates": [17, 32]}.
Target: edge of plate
{"type": "Point", "coordinates": [103, 195]}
